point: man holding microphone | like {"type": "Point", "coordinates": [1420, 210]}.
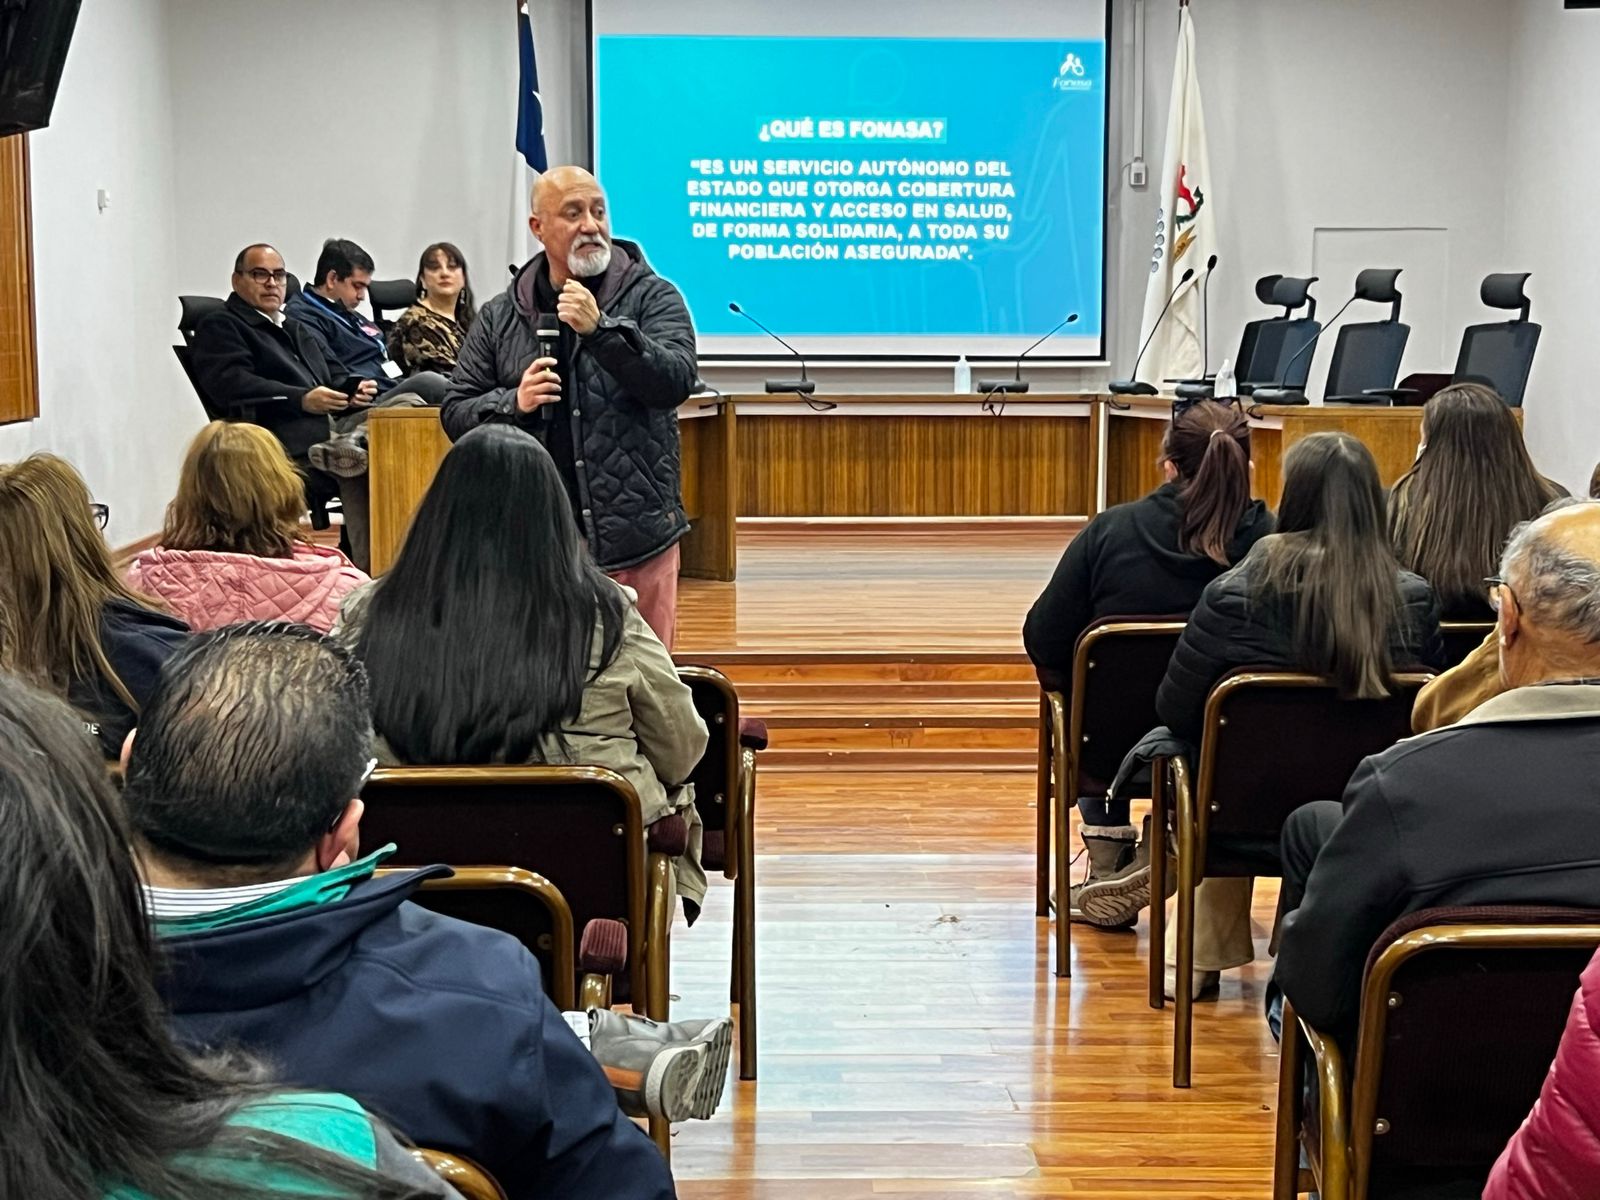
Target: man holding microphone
{"type": "Point", "coordinates": [602, 395]}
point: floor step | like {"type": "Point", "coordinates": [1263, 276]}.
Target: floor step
{"type": "Point", "coordinates": [922, 759]}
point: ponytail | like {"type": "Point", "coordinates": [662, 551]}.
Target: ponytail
{"type": "Point", "coordinates": [1209, 445]}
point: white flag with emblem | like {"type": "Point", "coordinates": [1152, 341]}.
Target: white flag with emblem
{"type": "Point", "coordinates": [1185, 227]}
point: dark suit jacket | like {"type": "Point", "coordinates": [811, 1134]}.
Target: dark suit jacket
{"type": "Point", "coordinates": [1499, 808]}
{"type": "Point", "coordinates": [256, 371]}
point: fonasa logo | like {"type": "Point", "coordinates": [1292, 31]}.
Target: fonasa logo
{"type": "Point", "coordinates": [1072, 75]}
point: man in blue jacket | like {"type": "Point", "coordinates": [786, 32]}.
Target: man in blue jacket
{"type": "Point", "coordinates": [281, 939]}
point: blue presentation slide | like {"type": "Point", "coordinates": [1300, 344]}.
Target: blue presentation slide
{"type": "Point", "coordinates": [868, 192]}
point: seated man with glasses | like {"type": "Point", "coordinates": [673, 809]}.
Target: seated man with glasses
{"type": "Point", "coordinates": [1495, 809]}
{"type": "Point", "coordinates": [255, 365]}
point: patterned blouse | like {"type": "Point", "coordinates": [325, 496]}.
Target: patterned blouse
{"type": "Point", "coordinates": [422, 340]}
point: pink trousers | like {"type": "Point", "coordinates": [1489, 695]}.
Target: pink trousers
{"type": "Point", "coordinates": [656, 581]}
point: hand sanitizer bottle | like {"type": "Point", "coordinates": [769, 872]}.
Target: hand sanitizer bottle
{"type": "Point", "coordinates": [1226, 387]}
{"type": "Point", "coordinates": [963, 374]}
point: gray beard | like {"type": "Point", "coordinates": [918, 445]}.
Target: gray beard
{"type": "Point", "coordinates": [589, 261]}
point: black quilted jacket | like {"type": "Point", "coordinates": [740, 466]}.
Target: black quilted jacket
{"type": "Point", "coordinates": [1232, 627]}
{"type": "Point", "coordinates": [631, 375]}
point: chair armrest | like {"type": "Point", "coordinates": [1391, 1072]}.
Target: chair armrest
{"type": "Point", "coordinates": [1391, 394]}
{"type": "Point", "coordinates": [753, 733]}
{"type": "Point", "coordinates": [604, 949]}
{"type": "Point", "coordinates": [1334, 1171]}
{"type": "Point", "coordinates": [669, 835]}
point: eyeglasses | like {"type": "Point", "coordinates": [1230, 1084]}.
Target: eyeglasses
{"type": "Point", "coordinates": [101, 514]}
{"type": "Point", "coordinates": [262, 275]}
{"type": "Point", "coordinates": [372, 765]}
{"type": "Point", "coordinates": [1494, 583]}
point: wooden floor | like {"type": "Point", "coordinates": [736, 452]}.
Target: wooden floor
{"type": "Point", "coordinates": [913, 1040]}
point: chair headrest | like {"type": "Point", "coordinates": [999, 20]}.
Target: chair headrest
{"type": "Point", "coordinates": [1377, 284]}
{"type": "Point", "coordinates": [1505, 290]}
{"type": "Point", "coordinates": [1291, 291]}
{"type": "Point", "coordinates": [194, 309]}
{"type": "Point", "coordinates": [387, 295]}
{"type": "Point", "coordinates": [1264, 287]}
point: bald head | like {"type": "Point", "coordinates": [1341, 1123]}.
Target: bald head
{"type": "Point", "coordinates": [1550, 622]}
{"type": "Point", "coordinates": [569, 217]}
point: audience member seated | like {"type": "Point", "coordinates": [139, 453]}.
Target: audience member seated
{"type": "Point", "coordinates": [1324, 595]}
{"type": "Point", "coordinates": [257, 365]}
{"type": "Point", "coordinates": [1473, 480]}
{"type": "Point", "coordinates": [428, 335]}
{"type": "Point", "coordinates": [1152, 557]}
{"type": "Point", "coordinates": [1495, 809]}
{"type": "Point", "coordinates": [495, 639]}
{"type": "Point", "coordinates": [1556, 1153]}
{"type": "Point", "coordinates": [240, 781]}
{"type": "Point", "coordinates": [98, 1099]}
{"type": "Point", "coordinates": [232, 548]}
{"type": "Point", "coordinates": [68, 622]}
{"type": "Point", "coordinates": [328, 310]}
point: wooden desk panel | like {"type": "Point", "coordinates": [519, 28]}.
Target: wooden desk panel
{"type": "Point", "coordinates": [915, 456]}
{"type": "Point", "coordinates": [19, 364]}
{"type": "Point", "coordinates": [405, 446]}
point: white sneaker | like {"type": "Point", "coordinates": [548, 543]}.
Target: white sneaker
{"type": "Point", "coordinates": [1204, 985]}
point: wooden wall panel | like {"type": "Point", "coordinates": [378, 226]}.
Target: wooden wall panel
{"type": "Point", "coordinates": [710, 494]}
{"type": "Point", "coordinates": [19, 367]}
{"type": "Point", "coordinates": [836, 465]}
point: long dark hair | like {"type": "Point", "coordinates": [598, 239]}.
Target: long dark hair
{"type": "Point", "coordinates": [1450, 515]}
{"type": "Point", "coordinates": [466, 309]}
{"type": "Point", "coordinates": [1208, 444]}
{"type": "Point", "coordinates": [479, 639]}
{"type": "Point", "coordinates": [94, 1093]}
{"type": "Point", "coordinates": [1331, 562]}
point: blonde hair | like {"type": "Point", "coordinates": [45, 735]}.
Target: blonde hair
{"type": "Point", "coordinates": [237, 492]}
{"type": "Point", "coordinates": [56, 578]}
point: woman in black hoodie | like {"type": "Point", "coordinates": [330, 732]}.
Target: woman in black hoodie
{"type": "Point", "coordinates": [68, 623]}
{"type": "Point", "coordinates": [1153, 557]}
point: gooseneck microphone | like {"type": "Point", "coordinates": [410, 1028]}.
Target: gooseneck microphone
{"type": "Point", "coordinates": [1205, 321]}
{"type": "Point", "coordinates": [800, 387]}
{"type": "Point", "coordinates": [1134, 386]}
{"type": "Point", "coordinates": [547, 334]}
{"type": "Point", "coordinates": [1016, 385]}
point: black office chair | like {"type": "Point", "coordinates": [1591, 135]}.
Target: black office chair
{"type": "Point", "coordinates": [291, 287]}
{"type": "Point", "coordinates": [1500, 352]}
{"type": "Point", "coordinates": [1366, 358]}
{"type": "Point", "coordinates": [390, 296]}
{"type": "Point", "coordinates": [1261, 344]}
{"type": "Point", "coordinates": [1252, 329]}
{"type": "Point", "coordinates": [1275, 359]}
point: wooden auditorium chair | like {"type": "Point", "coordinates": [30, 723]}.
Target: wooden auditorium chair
{"type": "Point", "coordinates": [528, 907]}
{"type": "Point", "coordinates": [1117, 666]}
{"type": "Point", "coordinates": [1461, 1013]}
{"type": "Point", "coordinates": [1271, 741]}
{"type": "Point", "coordinates": [725, 796]}
{"type": "Point", "coordinates": [466, 1176]}
{"type": "Point", "coordinates": [1461, 638]}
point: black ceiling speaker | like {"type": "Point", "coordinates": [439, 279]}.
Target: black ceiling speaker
{"type": "Point", "coordinates": [33, 49]}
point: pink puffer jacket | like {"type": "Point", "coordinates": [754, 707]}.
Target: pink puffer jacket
{"type": "Point", "coordinates": [209, 588]}
{"type": "Point", "coordinates": [1556, 1153]}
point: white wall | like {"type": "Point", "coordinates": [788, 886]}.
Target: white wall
{"type": "Point", "coordinates": [112, 397]}
{"type": "Point", "coordinates": [1551, 180]}
{"type": "Point", "coordinates": [390, 123]}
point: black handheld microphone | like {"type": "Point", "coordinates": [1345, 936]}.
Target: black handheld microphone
{"type": "Point", "coordinates": [547, 333]}
{"type": "Point", "coordinates": [1134, 387]}
{"type": "Point", "coordinates": [1279, 393]}
{"type": "Point", "coordinates": [1205, 321]}
{"type": "Point", "coordinates": [800, 387]}
{"type": "Point", "coordinates": [1015, 385]}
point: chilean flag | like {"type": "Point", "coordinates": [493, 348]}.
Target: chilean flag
{"type": "Point", "coordinates": [530, 106]}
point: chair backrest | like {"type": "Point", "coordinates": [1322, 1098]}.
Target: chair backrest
{"type": "Point", "coordinates": [194, 309]}
{"type": "Point", "coordinates": [715, 777]}
{"type": "Point", "coordinates": [1117, 667]}
{"type": "Point", "coordinates": [391, 296]}
{"type": "Point", "coordinates": [1252, 329]}
{"type": "Point", "coordinates": [466, 1176]}
{"type": "Point", "coordinates": [1366, 355]}
{"type": "Point", "coordinates": [1277, 344]}
{"type": "Point", "coordinates": [1461, 638]}
{"type": "Point", "coordinates": [579, 827]}
{"type": "Point", "coordinates": [1461, 1013]}
{"type": "Point", "coordinates": [1501, 351]}
{"type": "Point", "coordinates": [1275, 740]}
{"type": "Point", "coordinates": [527, 906]}
{"type": "Point", "coordinates": [185, 356]}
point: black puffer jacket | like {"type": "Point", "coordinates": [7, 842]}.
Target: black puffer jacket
{"type": "Point", "coordinates": [631, 375]}
{"type": "Point", "coordinates": [1232, 627]}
